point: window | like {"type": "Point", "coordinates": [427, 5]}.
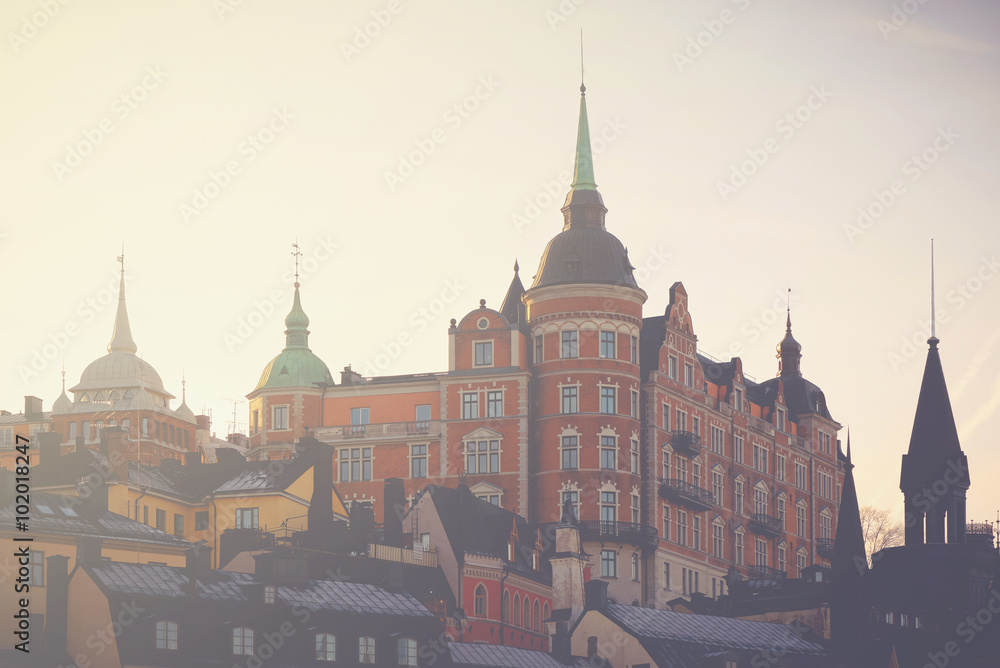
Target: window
{"type": "Point", "coordinates": [526, 616]}
{"type": "Point", "coordinates": [635, 349]}
{"type": "Point", "coordinates": [682, 527]}
{"type": "Point", "coordinates": [608, 345]}
{"type": "Point", "coordinates": [366, 649]}
{"type": "Point", "coordinates": [800, 519]}
{"type": "Point", "coordinates": [608, 452]}
{"type": "Point", "coordinates": [825, 523]}
{"type": "Point", "coordinates": [635, 404]}
{"type": "Point", "coordinates": [506, 607]}
{"type": "Point", "coordinates": [666, 417]}
{"type": "Point", "coordinates": [359, 415]}
{"type": "Point", "coordinates": [161, 519]}
{"type": "Point", "coordinates": [800, 560]}
{"type": "Point", "coordinates": [609, 564]}
{"type": "Point", "coordinates": [666, 522]}
{"type": "Point", "coordinates": [539, 348]}
{"type": "Point", "coordinates": [739, 497]}
{"type": "Point", "coordinates": [569, 345]}
{"type": "Point", "coordinates": [270, 594]}
{"type": "Point", "coordinates": [281, 418]}
{"type": "Point", "coordinates": [717, 486]}
{"type": "Point", "coordinates": [800, 475]}
{"type": "Point", "coordinates": [470, 405]}
{"type": "Point", "coordinates": [422, 413]}
{"type": "Point", "coordinates": [494, 403]}
{"type": "Point", "coordinates": [7, 439]}
{"type": "Point", "coordinates": [759, 458]}
{"type": "Point", "coordinates": [684, 582]}
{"type": "Point", "coordinates": [569, 399]}
{"type": "Point", "coordinates": [682, 469]}
{"type": "Point", "coordinates": [480, 601]}
{"type": "Point", "coordinates": [166, 635]}
{"type": "Point", "coordinates": [696, 532]}
{"type": "Point", "coordinates": [666, 575]}
{"type": "Point", "coordinates": [760, 501]}
{"type": "Point", "coordinates": [760, 552]}
{"type": "Point", "coordinates": [666, 464]}
{"type": "Point", "coordinates": [255, 423]}
{"type": "Point", "coordinates": [739, 547]}
{"type": "Point", "coordinates": [536, 618]}
{"type": "Point", "coordinates": [688, 375]}
{"type": "Point", "coordinates": [779, 421]}
{"type": "Point", "coordinates": [635, 509]}
{"type": "Point", "coordinates": [201, 520]}
{"type": "Point", "coordinates": [145, 427]}
{"type": "Point", "coordinates": [738, 399]}
{"type": "Point", "coordinates": [490, 498]}
{"type": "Point", "coordinates": [246, 518]}
{"type": "Point", "coordinates": [717, 540]}
{"type": "Point", "coordinates": [406, 652]}
{"type": "Point", "coordinates": [672, 367]}
{"type": "Point", "coordinates": [635, 455]}
{"type": "Point", "coordinates": [484, 353]}
{"type": "Point", "coordinates": [781, 558]}
{"type": "Point", "coordinates": [717, 440]}
{"type": "Point", "coordinates": [517, 610]}
{"type": "Point", "coordinates": [779, 467]}
{"type": "Point", "coordinates": [85, 428]}
{"type": "Point", "coordinates": [243, 641]}
{"type": "Point", "coordinates": [825, 485]}
{"type": "Point", "coordinates": [326, 647]}
{"type": "Point", "coordinates": [145, 515]}
{"type": "Point", "coordinates": [682, 420]}
{"type": "Point", "coordinates": [573, 496]}
{"type": "Point", "coordinates": [696, 426]}
{"type": "Point", "coordinates": [781, 512]}
{"type": "Point", "coordinates": [696, 474]}
{"type": "Point", "coordinates": [37, 568]}
{"type": "Point", "coordinates": [178, 525]}
{"type": "Point", "coordinates": [738, 449]}
{"type": "Point", "coordinates": [355, 464]}
{"type": "Point", "coordinates": [608, 400]}
{"type": "Point", "coordinates": [418, 461]}
{"type": "Point", "coordinates": [635, 566]}
{"type": "Point", "coordinates": [609, 507]}
{"type": "Point", "coordinates": [482, 457]}
{"type": "Point", "coordinates": [570, 453]}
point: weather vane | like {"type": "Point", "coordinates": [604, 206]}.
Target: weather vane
{"type": "Point", "coordinates": [583, 88]}
{"type": "Point", "coordinates": [121, 258]}
{"type": "Point", "coordinates": [296, 253]}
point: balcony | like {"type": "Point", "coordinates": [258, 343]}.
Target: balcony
{"type": "Point", "coordinates": [765, 573]}
{"type": "Point", "coordinates": [825, 547]}
{"type": "Point", "coordinates": [765, 524]}
{"type": "Point", "coordinates": [979, 533]}
{"type": "Point", "coordinates": [417, 555]}
{"type": "Point", "coordinates": [385, 431]}
{"type": "Point", "coordinates": [622, 532]}
{"type": "Point", "coordinates": [685, 442]}
{"type": "Point", "coordinates": [686, 494]}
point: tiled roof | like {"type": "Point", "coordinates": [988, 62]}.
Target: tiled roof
{"type": "Point", "coordinates": [226, 586]}
{"type": "Point", "coordinates": [479, 655]}
{"type": "Point", "coordinates": [21, 418]}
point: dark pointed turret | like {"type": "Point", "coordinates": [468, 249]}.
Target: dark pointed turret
{"type": "Point", "coordinates": [512, 307]}
{"type": "Point", "coordinates": [935, 462]}
{"type": "Point", "coordinates": [789, 351]}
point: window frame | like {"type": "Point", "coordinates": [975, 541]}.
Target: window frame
{"type": "Point", "coordinates": [281, 424]}
{"type": "Point", "coordinates": [482, 353]}
{"type": "Point", "coordinates": [570, 344]}
{"type": "Point", "coordinates": [166, 636]}
{"type": "Point", "coordinates": [608, 344]}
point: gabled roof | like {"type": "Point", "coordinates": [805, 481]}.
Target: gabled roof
{"type": "Point", "coordinates": [480, 655]}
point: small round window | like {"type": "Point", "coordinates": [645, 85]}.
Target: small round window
{"type": "Point", "coordinates": [483, 323]}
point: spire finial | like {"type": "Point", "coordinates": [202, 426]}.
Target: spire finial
{"type": "Point", "coordinates": [121, 338]}
{"type": "Point", "coordinates": [788, 311]}
{"type": "Point", "coordinates": [933, 317]}
{"type": "Point", "coordinates": [296, 253]}
{"type": "Point", "coordinates": [516, 268]}
{"type": "Point", "coordinates": [849, 445]}
{"type": "Point", "coordinates": [583, 88]}
{"type": "Point", "coordinates": [64, 376]}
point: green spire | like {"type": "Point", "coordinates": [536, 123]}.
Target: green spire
{"type": "Point", "coordinates": [296, 324]}
{"type": "Point", "coordinates": [583, 174]}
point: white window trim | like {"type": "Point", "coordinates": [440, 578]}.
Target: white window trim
{"type": "Point", "coordinates": [492, 355]}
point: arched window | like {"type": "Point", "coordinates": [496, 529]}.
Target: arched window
{"type": "Point", "coordinates": [517, 609]}
{"type": "Point", "coordinates": [526, 618]}
{"type": "Point", "coordinates": [326, 647]}
{"type": "Point", "coordinates": [506, 607]}
{"type": "Point", "coordinates": [545, 612]}
{"type": "Point", "coordinates": [480, 601]}
{"type": "Point", "coordinates": [243, 641]}
{"type": "Point", "coordinates": [536, 618]}
{"type": "Point", "coordinates": [166, 635]}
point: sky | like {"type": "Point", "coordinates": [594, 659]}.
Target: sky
{"type": "Point", "coordinates": [416, 149]}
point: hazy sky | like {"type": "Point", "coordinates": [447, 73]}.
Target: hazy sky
{"type": "Point", "coordinates": [411, 147]}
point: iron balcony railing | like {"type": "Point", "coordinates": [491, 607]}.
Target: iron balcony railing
{"type": "Point", "coordinates": [624, 532]}
{"type": "Point", "coordinates": [685, 441]}
{"type": "Point", "coordinates": [765, 524]}
{"type": "Point", "coordinates": [979, 532]}
{"type": "Point", "coordinates": [696, 498]}
{"type": "Point", "coordinates": [383, 431]}
{"type": "Point", "coordinates": [765, 573]}
{"type": "Point", "coordinates": [825, 547]}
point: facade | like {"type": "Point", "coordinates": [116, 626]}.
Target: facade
{"type": "Point", "coordinates": [680, 468]}
{"type": "Point", "coordinates": [27, 425]}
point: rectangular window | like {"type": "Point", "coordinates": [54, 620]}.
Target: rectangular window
{"type": "Point", "coordinates": [739, 497]}
{"type": "Point", "coordinates": [85, 428]}
{"type": "Point", "coordinates": [36, 577]}
{"type": "Point", "coordinates": [178, 525]}
{"type": "Point", "coordinates": [161, 519]}
{"type": "Point", "coordinates": [682, 468]}
{"type": "Point", "coordinates": [779, 421]}
{"type": "Point", "coordinates": [569, 344]}
{"type": "Point", "coordinates": [608, 400]}
{"type": "Point", "coordinates": [825, 530]}
{"type": "Point", "coordinates": [666, 575]}
{"type": "Point", "coordinates": [145, 515]}
{"type": "Point", "coordinates": [494, 403]}
{"type": "Point", "coordinates": [246, 518]}
{"type": "Point", "coordinates": [682, 421]}
{"type": "Point", "coordinates": [739, 548]}
{"type": "Point", "coordinates": [684, 582]}
{"type": "Point", "coordinates": [718, 436]}
{"type": "Point", "coordinates": [490, 498]}
{"type": "Point", "coordinates": [781, 512]}
{"type": "Point", "coordinates": [166, 635]}
{"type": "Point", "coordinates": [484, 353]}
{"type": "Point", "coordinates": [609, 507]}
{"type": "Point", "coordinates": [666, 465]}
{"type": "Point", "coordinates": [717, 540]}
{"type": "Point", "coordinates": [781, 558]}
{"type": "Point", "coordinates": [573, 497]}
{"type": "Point", "coordinates": [358, 415]}
{"type": "Point", "coordinates": [800, 475]}
{"type": "Point", "coordinates": [72, 433]}
{"type": "Point", "coordinates": [738, 449]}
{"type": "Point", "coordinates": [666, 522]}
{"type": "Point", "coordinates": [355, 464]}
{"type": "Point", "coordinates": [666, 417]}
{"type": "Point", "coordinates": [760, 553]}
{"type": "Point", "coordinates": [738, 400]}
{"type": "Point", "coordinates": [570, 453]}
{"type": "Point", "coordinates": [672, 367]}
{"type": "Point", "coordinates": [635, 404]}
{"type": "Point", "coordinates": [418, 461]}
{"type": "Point", "coordinates": [682, 527]}
{"type": "Point", "coordinates": [539, 348]}
{"type": "Point", "coordinates": [635, 566]}
{"type": "Point", "coordinates": [145, 427]}
{"type": "Point", "coordinates": [482, 457]}
{"type": "Point", "coordinates": [635, 456]}
{"type": "Point", "coordinates": [422, 413]}
{"type": "Point", "coordinates": [696, 532]}
{"type": "Point", "coordinates": [635, 509]}
{"type": "Point", "coordinates": [470, 405]}
{"type": "Point", "coordinates": [688, 375]}
{"type": "Point", "coordinates": [609, 564]}
{"type": "Point", "coordinates": [800, 562]}
{"type": "Point", "coordinates": [779, 467]}
{"type": "Point", "coordinates": [255, 427]}
{"type": "Point", "coordinates": [717, 486]}
{"type": "Point", "coordinates": [366, 649]}
{"type": "Point", "coordinates": [201, 520]}
{"type": "Point", "coordinates": [760, 501]}
{"type": "Point", "coordinates": [609, 448]}
{"type": "Point", "coordinates": [800, 520]}
{"type": "Point", "coordinates": [569, 399]}
{"type": "Point", "coordinates": [696, 474]}
{"type": "Point", "coordinates": [635, 350]}
{"type": "Point", "coordinates": [281, 417]}
{"type": "Point", "coordinates": [608, 345]}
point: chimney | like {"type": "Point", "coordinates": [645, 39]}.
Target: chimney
{"type": "Point", "coordinates": [114, 446]}
{"type": "Point", "coordinates": [596, 593]}
{"type": "Point", "coordinates": [561, 643]}
{"type": "Point", "coordinates": [32, 407]}
{"type": "Point", "coordinates": [49, 448]}
{"type": "Point", "coordinates": [350, 377]}
{"type": "Point", "coordinates": [203, 422]}
{"type": "Point", "coordinates": [197, 563]}
{"type": "Point", "coordinates": [56, 604]}
{"type": "Point", "coordinates": [393, 509]}
{"type": "Point", "coordinates": [88, 549]}
{"type": "Point", "coordinates": [568, 563]}
{"type": "Point", "coordinates": [321, 504]}
{"type": "Point", "coordinates": [362, 524]}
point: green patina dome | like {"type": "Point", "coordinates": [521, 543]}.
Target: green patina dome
{"type": "Point", "coordinates": [296, 365]}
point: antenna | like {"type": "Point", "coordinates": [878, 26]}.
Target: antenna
{"type": "Point", "coordinates": [933, 317]}
{"type": "Point", "coordinates": [236, 402]}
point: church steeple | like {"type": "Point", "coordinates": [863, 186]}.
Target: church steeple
{"type": "Point", "coordinates": [789, 350]}
{"type": "Point", "coordinates": [121, 338]}
{"type": "Point", "coordinates": [296, 322]}
{"type": "Point", "coordinates": [583, 172]}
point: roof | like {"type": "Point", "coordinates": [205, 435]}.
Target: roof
{"type": "Point", "coordinates": [21, 418]}
{"type": "Point", "coordinates": [296, 365]}
{"type": "Point", "coordinates": [480, 655]}
{"type": "Point", "coordinates": [682, 639]}
{"type": "Point", "coordinates": [65, 515]}
{"type": "Point", "coordinates": [230, 587]}
{"type": "Point", "coordinates": [512, 307]}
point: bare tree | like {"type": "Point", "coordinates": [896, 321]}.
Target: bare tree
{"type": "Point", "coordinates": [879, 530]}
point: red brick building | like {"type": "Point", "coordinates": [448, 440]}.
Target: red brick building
{"type": "Point", "coordinates": [682, 470]}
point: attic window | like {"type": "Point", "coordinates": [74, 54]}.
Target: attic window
{"type": "Point", "coordinates": [270, 593]}
{"type": "Point", "coordinates": [68, 512]}
{"type": "Point", "coordinates": [84, 398]}
{"type": "Point", "coordinates": [127, 395]}
{"type": "Point", "coordinates": [45, 510]}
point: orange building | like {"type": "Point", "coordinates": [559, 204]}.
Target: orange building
{"type": "Point", "coordinates": [684, 472]}
{"type": "Point", "coordinates": [27, 425]}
